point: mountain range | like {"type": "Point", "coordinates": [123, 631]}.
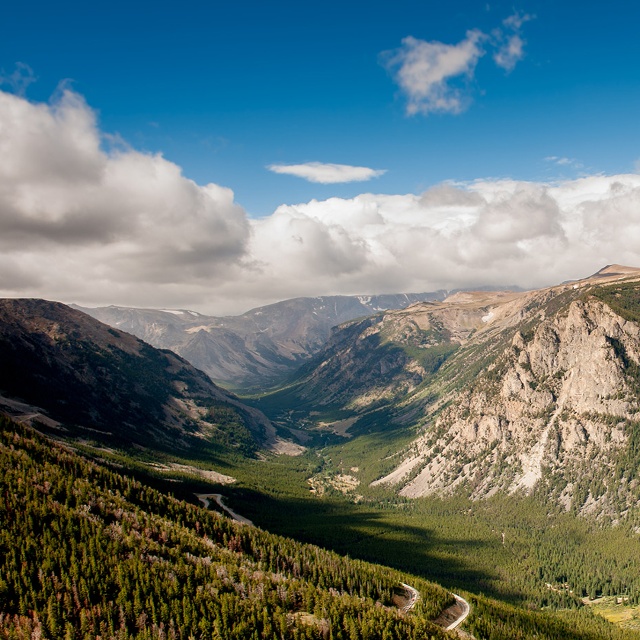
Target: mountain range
{"type": "Point", "coordinates": [511, 391]}
{"type": "Point", "coordinates": [475, 401]}
{"type": "Point", "coordinates": [503, 391]}
{"type": "Point", "coordinates": [259, 348]}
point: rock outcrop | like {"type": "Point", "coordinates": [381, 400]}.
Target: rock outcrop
{"type": "Point", "coordinates": [554, 408]}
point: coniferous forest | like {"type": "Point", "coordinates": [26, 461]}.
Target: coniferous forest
{"type": "Point", "coordinates": [89, 552]}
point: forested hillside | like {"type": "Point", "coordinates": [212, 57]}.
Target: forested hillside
{"type": "Point", "coordinates": [90, 553]}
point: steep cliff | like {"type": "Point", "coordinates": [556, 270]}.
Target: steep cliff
{"type": "Point", "coordinates": [543, 397]}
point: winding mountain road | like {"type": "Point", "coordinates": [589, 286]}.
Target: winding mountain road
{"type": "Point", "coordinates": [461, 608]}
{"type": "Point", "coordinates": [414, 596]}
{"type": "Point", "coordinates": [452, 617]}
{"type": "Point", "coordinates": [466, 609]}
{"type": "Point", "coordinates": [217, 498]}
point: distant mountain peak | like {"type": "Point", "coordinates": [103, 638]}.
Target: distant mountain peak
{"type": "Point", "coordinates": [611, 270]}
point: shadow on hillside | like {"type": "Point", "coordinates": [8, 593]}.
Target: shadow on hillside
{"type": "Point", "coordinates": [371, 534]}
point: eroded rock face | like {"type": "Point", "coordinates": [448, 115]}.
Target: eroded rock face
{"type": "Point", "coordinates": [553, 409]}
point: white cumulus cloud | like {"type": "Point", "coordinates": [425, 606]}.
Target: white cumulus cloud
{"type": "Point", "coordinates": [510, 44]}
{"type": "Point", "coordinates": [496, 232]}
{"type": "Point", "coordinates": [83, 223]}
{"type": "Point", "coordinates": [424, 70]}
{"type": "Point", "coordinates": [327, 173]}
{"type": "Point", "coordinates": [75, 217]}
{"type": "Point", "coordinates": [432, 74]}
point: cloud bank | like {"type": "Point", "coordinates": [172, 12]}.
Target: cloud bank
{"type": "Point", "coordinates": [76, 217]}
{"type": "Point", "coordinates": [80, 222]}
{"type": "Point", "coordinates": [489, 232]}
{"type": "Point", "coordinates": [327, 173]}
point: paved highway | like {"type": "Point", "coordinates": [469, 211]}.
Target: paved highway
{"type": "Point", "coordinates": [465, 612]}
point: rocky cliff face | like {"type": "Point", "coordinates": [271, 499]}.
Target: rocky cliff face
{"type": "Point", "coordinates": [554, 405]}
{"type": "Point", "coordinates": [507, 391]}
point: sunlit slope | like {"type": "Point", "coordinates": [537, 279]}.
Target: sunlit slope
{"type": "Point", "coordinates": [88, 552]}
{"type": "Point", "coordinates": [507, 391]}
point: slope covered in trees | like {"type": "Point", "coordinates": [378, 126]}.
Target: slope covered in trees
{"type": "Point", "coordinates": [87, 552]}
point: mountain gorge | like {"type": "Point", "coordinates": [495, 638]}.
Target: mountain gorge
{"type": "Point", "coordinates": [376, 361]}
{"type": "Point", "coordinates": [258, 348]}
{"type": "Point", "coordinates": [505, 391]}
{"type": "Point", "coordinates": [488, 441]}
{"type": "Point", "coordinates": [491, 391]}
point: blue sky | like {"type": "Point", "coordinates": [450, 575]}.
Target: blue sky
{"type": "Point", "coordinates": [224, 91]}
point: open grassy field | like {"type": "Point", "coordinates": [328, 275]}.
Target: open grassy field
{"type": "Point", "coordinates": [617, 610]}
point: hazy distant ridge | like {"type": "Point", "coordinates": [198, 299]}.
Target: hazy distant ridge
{"type": "Point", "coordinates": [259, 347]}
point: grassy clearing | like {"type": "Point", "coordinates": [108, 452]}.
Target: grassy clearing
{"type": "Point", "coordinates": [616, 609]}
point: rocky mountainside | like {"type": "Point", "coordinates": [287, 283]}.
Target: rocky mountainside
{"type": "Point", "coordinates": [372, 362]}
{"type": "Point", "coordinates": [513, 391]}
{"type": "Point", "coordinates": [258, 348]}
{"type": "Point", "coordinates": [66, 369]}
{"type": "Point", "coordinates": [554, 408]}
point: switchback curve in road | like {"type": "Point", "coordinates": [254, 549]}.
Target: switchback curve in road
{"type": "Point", "coordinates": [414, 595]}
{"type": "Point", "coordinates": [466, 609]}
{"type": "Point", "coordinates": [217, 497]}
